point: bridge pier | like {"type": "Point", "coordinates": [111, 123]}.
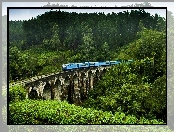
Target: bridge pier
{"type": "Point", "coordinates": [47, 91]}
{"type": "Point", "coordinates": [77, 94]}
{"type": "Point", "coordinates": [28, 90]}
{"type": "Point", "coordinates": [71, 90]}
{"type": "Point", "coordinates": [65, 88]}
{"type": "Point", "coordinates": [58, 90]}
{"type": "Point", "coordinates": [71, 86]}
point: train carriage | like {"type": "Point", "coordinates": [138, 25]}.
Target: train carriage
{"type": "Point", "coordinates": [94, 64]}
{"type": "Point", "coordinates": [69, 66]}
{"type": "Point", "coordinates": [84, 65]}
{"type": "Point", "coordinates": [107, 63]}
{"type": "Point", "coordinates": [72, 66]}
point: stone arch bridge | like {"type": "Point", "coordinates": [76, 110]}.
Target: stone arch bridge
{"type": "Point", "coordinates": [72, 86]}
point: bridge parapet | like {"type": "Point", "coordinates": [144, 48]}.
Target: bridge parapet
{"type": "Point", "coordinates": [72, 86]}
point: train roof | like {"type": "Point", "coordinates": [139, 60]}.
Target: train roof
{"type": "Point", "coordinates": [94, 62]}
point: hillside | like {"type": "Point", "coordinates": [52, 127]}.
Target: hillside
{"type": "Point", "coordinates": [73, 38]}
{"type": "Point", "coordinates": [127, 94]}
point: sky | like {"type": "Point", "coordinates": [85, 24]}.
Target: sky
{"type": "Point", "coordinates": [26, 14]}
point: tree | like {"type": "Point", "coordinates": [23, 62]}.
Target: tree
{"type": "Point", "coordinates": [54, 42]}
{"type": "Point", "coordinates": [14, 63]}
{"type": "Point", "coordinates": [87, 48]}
{"type": "Point", "coordinates": [104, 53]}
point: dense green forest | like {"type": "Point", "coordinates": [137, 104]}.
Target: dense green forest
{"type": "Point", "coordinates": [126, 94]}
{"type": "Point", "coordinates": [41, 45]}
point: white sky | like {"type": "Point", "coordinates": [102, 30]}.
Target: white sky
{"type": "Point", "coordinates": [25, 14]}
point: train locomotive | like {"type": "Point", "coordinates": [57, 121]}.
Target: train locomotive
{"type": "Point", "coordinates": [72, 66]}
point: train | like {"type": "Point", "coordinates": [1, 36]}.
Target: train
{"type": "Point", "coordinates": [73, 66]}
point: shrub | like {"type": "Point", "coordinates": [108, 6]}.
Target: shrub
{"type": "Point", "coordinates": [130, 89]}
{"type": "Point", "coordinates": [17, 93]}
{"type": "Point", "coordinates": [56, 112]}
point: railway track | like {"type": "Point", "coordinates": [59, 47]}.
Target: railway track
{"type": "Point", "coordinates": [33, 79]}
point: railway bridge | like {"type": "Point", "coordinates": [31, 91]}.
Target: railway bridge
{"type": "Point", "coordinates": [72, 86]}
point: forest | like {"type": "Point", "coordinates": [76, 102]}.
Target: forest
{"type": "Point", "coordinates": [126, 94]}
{"type": "Point", "coordinates": [41, 45]}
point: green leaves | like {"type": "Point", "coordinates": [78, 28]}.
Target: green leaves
{"type": "Point", "coordinates": [24, 64]}
{"type": "Point", "coordinates": [55, 38]}
{"type": "Point", "coordinates": [129, 89]}
{"type": "Point", "coordinates": [88, 37]}
{"type": "Point", "coordinates": [55, 112]}
{"type": "Point", "coordinates": [88, 47]}
{"type": "Point", "coordinates": [151, 44]}
{"type": "Point", "coordinates": [16, 93]}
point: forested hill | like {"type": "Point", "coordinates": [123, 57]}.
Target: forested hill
{"type": "Point", "coordinates": [115, 29]}
{"type": "Point", "coordinates": [44, 43]}
{"type": "Point", "coordinates": [41, 45]}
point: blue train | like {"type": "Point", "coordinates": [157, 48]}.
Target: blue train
{"type": "Point", "coordinates": [72, 66]}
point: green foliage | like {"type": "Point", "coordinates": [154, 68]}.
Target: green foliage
{"type": "Point", "coordinates": [129, 89]}
{"type": "Point", "coordinates": [16, 93]}
{"type": "Point", "coordinates": [54, 43]}
{"type": "Point", "coordinates": [14, 58]}
{"type": "Point", "coordinates": [104, 53]}
{"type": "Point", "coordinates": [87, 48]}
{"type": "Point", "coordinates": [55, 112]}
{"type": "Point", "coordinates": [75, 58]}
{"type": "Point", "coordinates": [35, 62]}
{"type": "Point", "coordinates": [151, 44]}
{"type": "Point", "coordinates": [133, 93]}
{"type": "Point", "coordinates": [158, 97]}
{"type": "Point", "coordinates": [88, 37]}
{"type": "Point", "coordinates": [16, 34]}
